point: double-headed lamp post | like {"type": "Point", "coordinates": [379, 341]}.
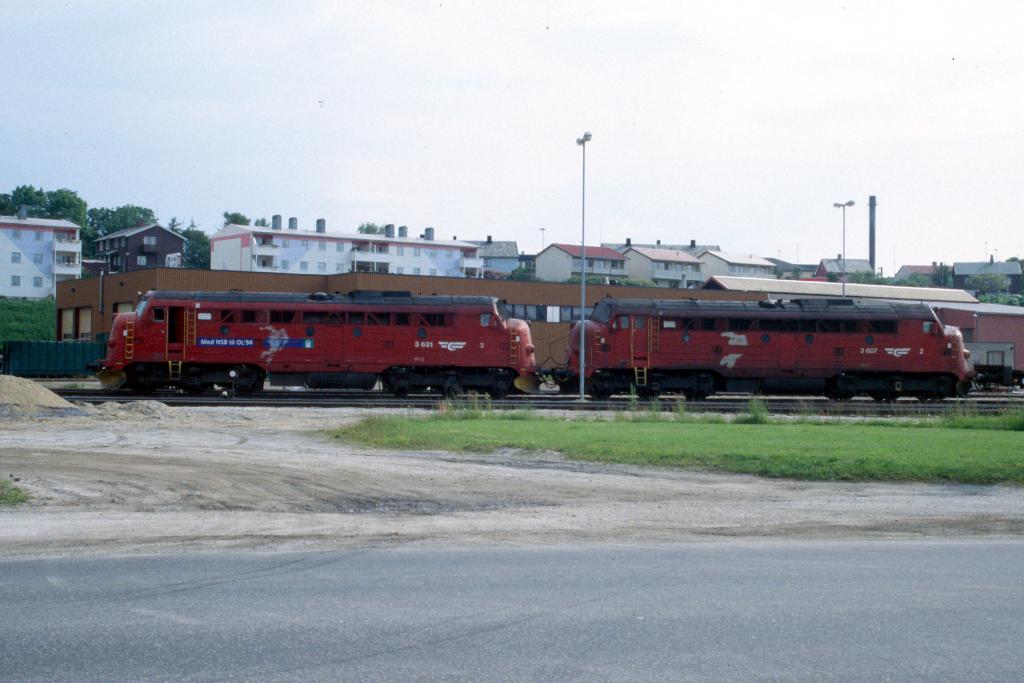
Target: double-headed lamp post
{"type": "Point", "coordinates": [582, 142]}
{"type": "Point", "coordinates": [844, 206]}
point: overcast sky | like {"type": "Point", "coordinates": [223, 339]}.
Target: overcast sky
{"type": "Point", "coordinates": [732, 123]}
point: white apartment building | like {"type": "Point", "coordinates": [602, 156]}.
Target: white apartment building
{"type": "Point", "coordinates": [36, 254]}
{"type": "Point", "coordinates": [665, 267]}
{"type": "Point", "coordinates": [745, 265]}
{"type": "Point", "coordinates": [559, 262]}
{"type": "Point", "coordinates": [277, 250]}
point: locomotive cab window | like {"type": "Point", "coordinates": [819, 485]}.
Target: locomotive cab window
{"type": "Point", "coordinates": [485, 319]}
{"type": "Point", "coordinates": [622, 322]}
{"type": "Point", "coordinates": [928, 327]}
{"type": "Point", "coordinates": [639, 322]}
{"type": "Point", "coordinates": [159, 315]}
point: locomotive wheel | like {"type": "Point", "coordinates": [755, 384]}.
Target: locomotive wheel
{"type": "Point", "coordinates": [601, 393]}
{"type": "Point", "coordinates": [451, 387]}
{"type": "Point", "coordinates": [499, 390]}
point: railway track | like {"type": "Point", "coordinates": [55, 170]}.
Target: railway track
{"type": "Point", "coordinates": [725, 403]}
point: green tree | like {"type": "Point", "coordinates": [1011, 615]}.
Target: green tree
{"type": "Point", "coordinates": [196, 252]}
{"type": "Point", "coordinates": [522, 275]}
{"type": "Point", "coordinates": [32, 197]}
{"type": "Point", "coordinates": [66, 204]}
{"type": "Point", "coordinates": [371, 229]}
{"type": "Point", "coordinates": [917, 280]}
{"type": "Point", "coordinates": [988, 283]}
{"type": "Point", "coordinates": [261, 223]}
{"type": "Point", "coordinates": [942, 276]}
{"type": "Point", "coordinates": [235, 218]}
{"type": "Point", "coordinates": [866, 278]}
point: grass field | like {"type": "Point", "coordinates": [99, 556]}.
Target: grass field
{"type": "Point", "coordinates": [11, 494]}
{"type": "Point", "coordinates": [966, 449]}
{"type": "Point", "coordinates": [27, 320]}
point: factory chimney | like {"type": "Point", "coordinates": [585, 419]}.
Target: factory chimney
{"type": "Point", "coordinates": [872, 203]}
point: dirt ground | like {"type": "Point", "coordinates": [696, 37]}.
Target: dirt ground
{"type": "Point", "coordinates": [148, 478]}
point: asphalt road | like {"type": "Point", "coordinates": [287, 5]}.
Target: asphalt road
{"type": "Point", "coordinates": [871, 611]}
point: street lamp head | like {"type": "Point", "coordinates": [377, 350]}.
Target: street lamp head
{"type": "Point", "coordinates": [843, 205]}
{"type": "Point", "coordinates": [585, 139]}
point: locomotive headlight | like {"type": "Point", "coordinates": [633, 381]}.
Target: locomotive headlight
{"type": "Point", "coordinates": [232, 374]}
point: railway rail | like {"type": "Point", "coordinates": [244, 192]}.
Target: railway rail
{"type": "Point", "coordinates": [727, 403]}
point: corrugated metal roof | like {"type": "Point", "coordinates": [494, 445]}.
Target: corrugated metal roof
{"type": "Point", "coordinates": [664, 255]}
{"type": "Point", "coordinates": [990, 309]}
{"type": "Point", "coordinates": [14, 221]}
{"type": "Point", "coordinates": [592, 252]}
{"type": "Point", "coordinates": [853, 290]}
{"type": "Point", "coordinates": [740, 259]}
{"type": "Point", "coordinates": [987, 268]}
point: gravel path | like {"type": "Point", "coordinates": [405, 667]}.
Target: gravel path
{"type": "Point", "coordinates": [148, 478]}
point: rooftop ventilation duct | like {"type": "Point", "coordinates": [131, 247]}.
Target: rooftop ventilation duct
{"type": "Point", "coordinates": [293, 223]}
{"type": "Point", "coordinates": [389, 230]}
{"type": "Point", "coordinates": [403, 231]}
{"type": "Point", "coordinates": [428, 234]}
{"type": "Point", "coordinates": [321, 225]}
{"type": "Point", "coordinates": [275, 222]}
{"type": "Point", "coordinates": [23, 212]}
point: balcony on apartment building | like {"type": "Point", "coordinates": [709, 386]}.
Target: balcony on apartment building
{"type": "Point", "coordinates": [471, 263]}
{"type": "Point", "coordinates": [600, 267]}
{"type": "Point", "coordinates": [264, 245]}
{"type": "Point", "coordinates": [264, 263]}
{"type": "Point", "coordinates": [361, 265]}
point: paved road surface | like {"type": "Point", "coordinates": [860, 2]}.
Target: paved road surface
{"type": "Point", "coordinates": [871, 611]}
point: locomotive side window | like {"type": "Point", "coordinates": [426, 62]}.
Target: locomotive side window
{"type": "Point", "coordinates": [227, 316]}
{"type": "Point", "coordinates": [314, 317]}
{"type": "Point", "coordinates": [882, 326]}
{"type": "Point", "coordinates": [335, 318]}
{"type": "Point", "coordinates": [708, 324]}
{"type": "Point", "coordinates": [849, 325]}
{"type": "Point", "coordinates": [283, 316]}
{"type": "Point", "coordinates": [159, 315]}
{"type": "Point", "coordinates": [434, 319]}
{"type": "Point", "coordinates": [378, 319]}
{"type": "Point", "coordinates": [254, 316]}
{"type": "Point", "coordinates": [688, 323]}
{"type": "Point", "coordinates": [808, 325]}
{"type": "Point", "coordinates": [740, 324]}
{"type": "Point", "coordinates": [355, 318]}
{"type": "Point", "coordinates": [401, 318]}
{"type": "Point", "coordinates": [623, 322]}
{"type": "Point", "coordinates": [668, 324]}
{"type": "Point", "coordinates": [639, 322]}
{"type": "Point", "coordinates": [828, 326]}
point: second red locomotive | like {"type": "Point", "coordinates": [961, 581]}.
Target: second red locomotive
{"type": "Point", "coordinates": [832, 347]}
{"type": "Point", "coordinates": [197, 340]}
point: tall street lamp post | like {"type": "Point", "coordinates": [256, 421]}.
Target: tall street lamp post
{"type": "Point", "coordinates": [582, 142]}
{"type": "Point", "coordinates": [844, 206]}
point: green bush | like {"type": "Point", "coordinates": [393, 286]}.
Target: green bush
{"type": "Point", "coordinates": [28, 319]}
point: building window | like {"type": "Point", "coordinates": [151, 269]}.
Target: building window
{"type": "Point", "coordinates": [39, 235]}
{"type": "Point", "coordinates": [450, 253]}
{"type": "Point", "coordinates": [415, 271]}
{"type": "Point", "coordinates": [284, 243]}
{"type": "Point", "coordinates": [37, 282]}
{"type": "Point", "coordinates": [339, 246]}
{"type": "Point", "coordinates": [433, 271]}
{"type": "Point", "coordinates": [149, 239]}
{"type": "Point", "coordinates": [416, 251]}
{"type": "Point", "coordinates": [321, 266]}
{"type": "Point", "coordinates": [15, 281]}
{"type": "Point", "coordinates": [284, 264]}
{"type": "Point", "coordinates": [37, 259]}
{"type": "Point", "coordinates": [303, 266]}
{"type": "Point", "coordinates": [432, 253]}
{"type": "Point", "coordinates": [338, 267]}
{"type": "Point", "coordinates": [305, 244]}
{"type": "Point", "coordinates": [16, 234]}
{"type": "Point", "coordinates": [399, 269]}
{"type": "Point", "coordinates": [322, 246]}
{"type": "Point", "coordinates": [140, 260]}
{"type": "Point", "coordinates": [15, 257]}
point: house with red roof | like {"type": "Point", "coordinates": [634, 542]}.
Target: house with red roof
{"type": "Point", "coordinates": [559, 262]}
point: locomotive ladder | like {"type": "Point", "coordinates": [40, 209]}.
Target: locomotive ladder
{"type": "Point", "coordinates": [190, 327]}
{"type": "Point", "coordinates": [654, 337]}
{"type": "Point", "coordinates": [513, 347]}
{"type": "Point", "coordinates": [129, 340]}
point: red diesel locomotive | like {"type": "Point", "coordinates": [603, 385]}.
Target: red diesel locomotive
{"type": "Point", "coordinates": [832, 347]}
{"type": "Point", "coordinates": [196, 340]}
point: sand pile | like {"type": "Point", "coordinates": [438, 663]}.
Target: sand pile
{"type": "Point", "coordinates": [148, 409]}
{"type": "Point", "coordinates": [22, 394]}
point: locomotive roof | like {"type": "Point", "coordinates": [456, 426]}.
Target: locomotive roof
{"type": "Point", "coordinates": [357, 297]}
{"type": "Point", "coordinates": [845, 309]}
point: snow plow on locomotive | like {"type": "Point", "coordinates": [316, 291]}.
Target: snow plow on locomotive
{"type": "Point", "coordinates": [195, 341]}
{"type": "Point", "coordinates": [835, 348]}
